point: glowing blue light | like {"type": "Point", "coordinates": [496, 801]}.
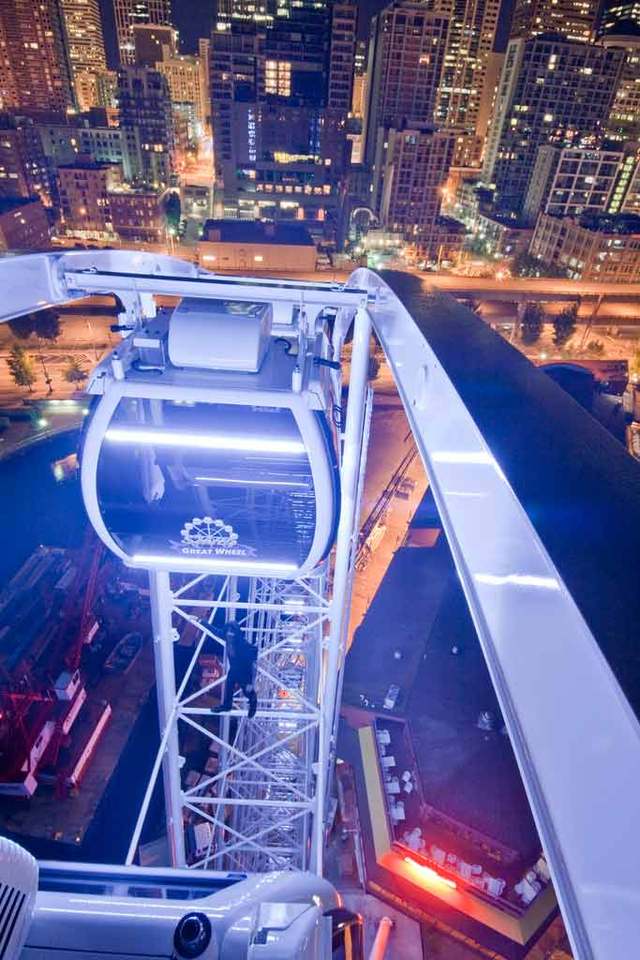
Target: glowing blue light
{"type": "Point", "coordinates": [205, 563]}
{"type": "Point", "coordinates": [202, 441]}
{"type": "Point", "coordinates": [253, 483]}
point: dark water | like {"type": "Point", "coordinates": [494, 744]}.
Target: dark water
{"type": "Point", "coordinates": [34, 508]}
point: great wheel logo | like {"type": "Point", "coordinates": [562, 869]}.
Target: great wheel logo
{"type": "Point", "coordinates": [206, 537]}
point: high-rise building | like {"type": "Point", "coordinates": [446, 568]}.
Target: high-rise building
{"type": "Point", "coordinates": [8, 86]}
{"type": "Point", "coordinates": [150, 41]}
{"type": "Point", "coordinates": [551, 91]}
{"type": "Point", "coordinates": [281, 80]}
{"type": "Point", "coordinates": [128, 13]}
{"type": "Point", "coordinates": [488, 95]}
{"type": "Point", "coordinates": [146, 121]}
{"type": "Point", "coordinates": [183, 77]}
{"type": "Point", "coordinates": [624, 120]}
{"type": "Point", "coordinates": [204, 62]}
{"type": "Point", "coordinates": [83, 27]}
{"type": "Point", "coordinates": [470, 41]}
{"type": "Point", "coordinates": [24, 170]}
{"type": "Point", "coordinates": [573, 19]}
{"type": "Point", "coordinates": [416, 164]}
{"type": "Point", "coordinates": [569, 182]}
{"type": "Point", "coordinates": [406, 58]}
{"type": "Point", "coordinates": [36, 71]}
{"type": "Point", "coordinates": [620, 17]}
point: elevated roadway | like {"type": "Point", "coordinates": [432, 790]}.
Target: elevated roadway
{"type": "Point", "coordinates": [515, 289]}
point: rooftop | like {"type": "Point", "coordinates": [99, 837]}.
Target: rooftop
{"type": "Point", "coordinates": [256, 231]}
{"type": "Point", "coordinates": [85, 165]}
{"type": "Point", "coordinates": [613, 223]}
{"type": "Point", "coordinates": [8, 204]}
{"type": "Point", "coordinates": [468, 774]}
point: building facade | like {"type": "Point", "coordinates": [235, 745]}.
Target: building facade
{"type": "Point", "coordinates": [572, 19]}
{"type": "Point", "coordinates": [36, 68]}
{"type": "Point", "coordinates": [551, 91]}
{"type": "Point", "coordinates": [416, 164]}
{"type": "Point", "coordinates": [470, 41]}
{"type": "Point", "coordinates": [624, 120]}
{"type": "Point", "coordinates": [626, 192]}
{"type": "Point", "coordinates": [136, 215]}
{"type": "Point", "coordinates": [24, 169]}
{"type": "Point", "coordinates": [569, 182]}
{"type": "Point", "coordinates": [150, 41]}
{"type": "Point", "coordinates": [597, 247]}
{"type": "Point", "coordinates": [281, 92]}
{"type": "Point", "coordinates": [620, 16]}
{"type": "Point", "coordinates": [406, 60]}
{"type": "Point", "coordinates": [146, 123]}
{"type": "Point", "coordinates": [24, 225]}
{"type": "Point", "coordinates": [241, 246]}
{"type": "Point", "coordinates": [83, 28]}
{"type": "Point", "coordinates": [84, 201]}
{"type": "Point", "coordinates": [128, 13]}
{"type": "Point", "coordinates": [184, 76]}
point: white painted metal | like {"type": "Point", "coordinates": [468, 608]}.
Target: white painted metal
{"type": "Point", "coordinates": [575, 736]}
{"type": "Point", "coordinates": [163, 640]}
{"type": "Point", "coordinates": [120, 921]}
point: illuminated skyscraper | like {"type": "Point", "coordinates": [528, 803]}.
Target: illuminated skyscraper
{"type": "Point", "coordinates": [573, 19]}
{"type": "Point", "coordinates": [35, 69]}
{"type": "Point", "coordinates": [145, 118]}
{"type": "Point", "coordinates": [620, 17]}
{"type": "Point", "coordinates": [130, 12]}
{"type": "Point", "coordinates": [86, 48]}
{"type": "Point", "coordinates": [553, 92]}
{"type": "Point", "coordinates": [406, 58]}
{"type": "Point", "coordinates": [281, 83]}
{"type": "Point", "coordinates": [470, 40]}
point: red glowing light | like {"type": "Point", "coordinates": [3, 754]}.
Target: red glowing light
{"type": "Point", "coordinates": [432, 875]}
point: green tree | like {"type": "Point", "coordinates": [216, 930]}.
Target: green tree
{"type": "Point", "coordinates": [172, 211]}
{"type": "Point", "coordinates": [532, 323]}
{"type": "Point", "coordinates": [564, 325]}
{"type": "Point", "coordinates": [44, 323]}
{"type": "Point", "coordinates": [47, 325]}
{"type": "Point", "coordinates": [526, 265]}
{"type": "Point", "coordinates": [596, 347]}
{"type": "Point", "coordinates": [22, 327]}
{"type": "Point", "coordinates": [74, 371]}
{"type": "Point", "coordinates": [20, 365]}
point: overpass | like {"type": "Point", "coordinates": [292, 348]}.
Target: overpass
{"type": "Point", "coordinates": [516, 289]}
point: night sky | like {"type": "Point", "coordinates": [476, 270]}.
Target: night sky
{"type": "Point", "coordinates": [194, 18]}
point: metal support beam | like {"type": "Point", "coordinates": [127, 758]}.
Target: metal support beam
{"type": "Point", "coordinates": [163, 638]}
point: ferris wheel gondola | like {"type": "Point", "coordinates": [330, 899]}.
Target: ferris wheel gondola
{"type": "Point", "coordinates": [212, 445]}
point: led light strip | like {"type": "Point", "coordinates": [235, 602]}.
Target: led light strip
{"type": "Point", "coordinates": [202, 441]}
{"type": "Point", "coordinates": [176, 563]}
{"type": "Point", "coordinates": [254, 483]}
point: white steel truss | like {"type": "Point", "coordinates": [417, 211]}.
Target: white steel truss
{"type": "Point", "coordinates": [264, 801]}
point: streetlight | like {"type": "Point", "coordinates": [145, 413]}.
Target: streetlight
{"type": "Point", "coordinates": [47, 378]}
